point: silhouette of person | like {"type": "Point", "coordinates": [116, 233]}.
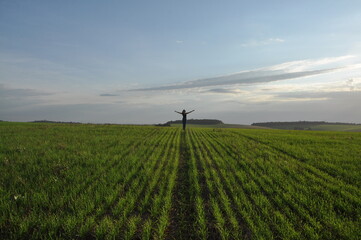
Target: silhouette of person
{"type": "Point", "coordinates": [184, 120]}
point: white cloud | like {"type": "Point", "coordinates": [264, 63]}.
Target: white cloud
{"type": "Point", "coordinates": [276, 40]}
{"type": "Point", "coordinates": [259, 91]}
{"type": "Point", "coordinates": [302, 65]}
{"type": "Point", "coordinates": [280, 72]}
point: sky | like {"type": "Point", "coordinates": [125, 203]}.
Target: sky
{"type": "Point", "coordinates": [139, 61]}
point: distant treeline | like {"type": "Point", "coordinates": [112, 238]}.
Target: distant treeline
{"type": "Point", "coordinates": [194, 121]}
{"type": "Point", "coordinates": [301, 124]}
{"type": "Point", "coordinates": [47, 121]}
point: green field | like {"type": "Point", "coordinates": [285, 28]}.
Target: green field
{"type": "Point", "coordinates": [338, 127]}
{"type": "Point", "coordinates": [222, 125]}
{"type": "Point", "coordinates": [83, 181]}
{"type": "Point", "coordinates": [314, 126]}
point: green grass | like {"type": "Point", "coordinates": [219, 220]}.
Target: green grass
{"type": "Point", "coordinates": [321, 127]}
{"type": "Point", "coordinates": [314, 126]}
{"type": "Point", "coordinates": [337, 127]}
{"type": "Point", "coordinates": [66, 181]}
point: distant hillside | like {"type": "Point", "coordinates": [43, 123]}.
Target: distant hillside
{"type": "Point", "coordinates": [311, 125]}
{"type": "Point", "coordinates": [197, 121]}
{"type": "Point", "coordinates": [207, 123]}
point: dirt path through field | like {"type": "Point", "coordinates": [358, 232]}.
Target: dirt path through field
{"type": "Point", "coordinates": [182, 214]}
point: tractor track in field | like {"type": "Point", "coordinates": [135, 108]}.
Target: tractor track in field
{"type": "Point", "coordinates": [182, 212]}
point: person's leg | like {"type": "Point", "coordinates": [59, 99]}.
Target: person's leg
{"type": "Point", "coordinates": [184, 125]}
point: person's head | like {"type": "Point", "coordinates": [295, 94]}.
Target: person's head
{"type": "Point", "coordinates": [184, 111]}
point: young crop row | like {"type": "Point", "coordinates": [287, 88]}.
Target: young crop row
{"type": "Point", "coordinates": [253, 190]}
{"type": "Point", "coordinates": [138, 182]}
{"type": "Point", "coordinates": [325, 151]}
{"type": "Point", "coordinates": [66, 181]}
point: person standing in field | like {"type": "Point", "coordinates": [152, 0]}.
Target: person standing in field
{"type": "Point", "coordinates": [184, 120]}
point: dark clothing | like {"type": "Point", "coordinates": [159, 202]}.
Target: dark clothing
{"type": "Point", "coordinates": [184, 120]}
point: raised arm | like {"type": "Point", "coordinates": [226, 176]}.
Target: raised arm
{"type": "Point", "coordinates": [190, 111]}
{"type": "Point", "coordinates": [178, 112]}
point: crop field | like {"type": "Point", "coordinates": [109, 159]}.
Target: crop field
{"type": "Point", "coordinates": [83, 181]}
{"type": "Point", "coordinates": [347, 128]}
